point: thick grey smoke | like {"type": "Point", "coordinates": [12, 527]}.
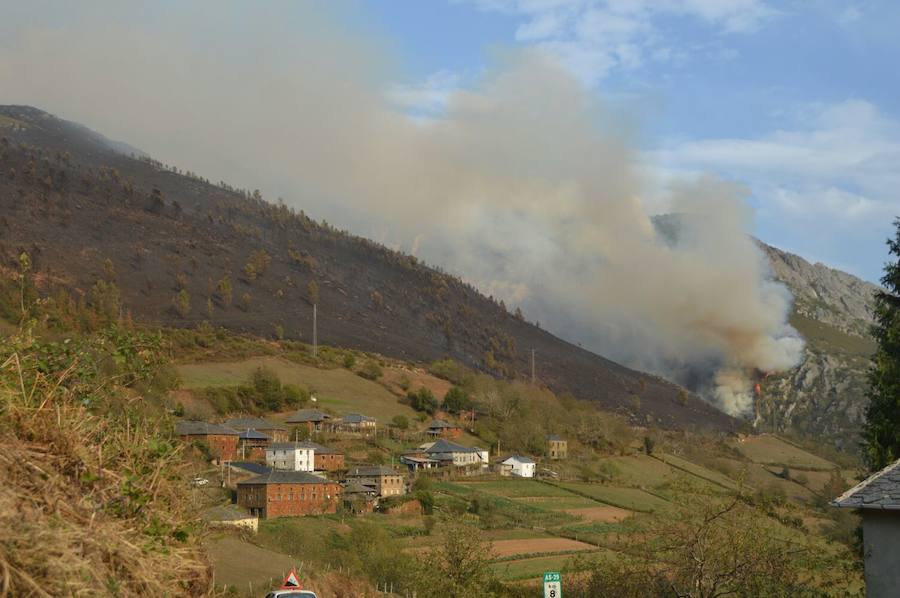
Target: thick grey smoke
{"type": "Point", "coordinates": [519, 186]}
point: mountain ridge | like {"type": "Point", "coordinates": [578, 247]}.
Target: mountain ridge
{"type": "Point", "coordinates": [170, 240]}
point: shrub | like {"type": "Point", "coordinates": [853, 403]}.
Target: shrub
{"type": "Point", "coordinates": [456, 400]}
{"type": "Point", "coordinates": [370, 371]}
{"type": "Point", "coordinates": [422, 400]}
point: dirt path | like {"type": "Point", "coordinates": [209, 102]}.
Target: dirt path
{"type": "Point", "coordinates": [602, 514]}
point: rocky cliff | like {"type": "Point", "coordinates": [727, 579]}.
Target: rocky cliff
{"type": "Point", "coordinates": [825, 395]}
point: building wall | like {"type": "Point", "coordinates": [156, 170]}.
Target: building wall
{"type": "Point", "coordinates": [558, 449]}
{"type": "Point", "coordinates": [329, 461]}
{"type": "Point", "coordinates": [385, 485]}
{"type": "Point", "coordinates": [525, 470]}
{"type": "Point", "coordinates": [221, 446]}
{"type": "Point", "coordinates": [276, 435]}
{"type": "Point", "coordinates": [881, 542]}
{"type": "Point", "coordinates": [295, 459]}
{"type": "Point", "coordinates": [290, 500]}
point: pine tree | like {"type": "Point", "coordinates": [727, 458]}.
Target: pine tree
{"type": "Point", "coordinates": [881, 433]}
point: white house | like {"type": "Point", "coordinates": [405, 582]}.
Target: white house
{"type": "Point", "coordinates": [521, 466]}
{"type": "Point", "coordinates": [291, 456]}
{"type": "Point", "coordinates": [485, 456]}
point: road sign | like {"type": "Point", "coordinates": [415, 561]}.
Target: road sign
{"type": "Point", "coordinates": [552, 585]}
{"type": "Point", "coordinates": [292, 581]}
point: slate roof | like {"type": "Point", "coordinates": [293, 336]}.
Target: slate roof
{"type": "Point", "coordinates": [252, 435]}
{"type": "Point", "coordinates": [358, 488]}
{"type": "Point", "coordinates": [555, 438]}
{"type": "Point", "coordinates": [879, 491]}
{"type": "Point", "coordinates": [227, 513]}
{"type": "Point", "coordinates": [307, 415]}
{"type": "Point", "coordinates": [257, 468]}
{"type": "Point", "coordinates": [440, 424]}
{"type": "Point", "coordinates": [356, 418]}
{"type": "Point", "coordinates": [198, 428]}
{"type": "Point", "coordinates": [445, 446]}
{"type": "Point", "coordinates": [291, 445]}
{"type": "Point", "coordinates": [318, 448]}
{"type": "Point", "coordinates": [372, 470]}
{"type": "Point", "coordinates": [253, 423]}
{"type": "Point", "coordinates": [285, 477]}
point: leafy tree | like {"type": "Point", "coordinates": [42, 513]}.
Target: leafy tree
{"type": "Point", "coordinates": [881, 432]}
{"type": "Point", "coordinates": [456, 400]}
{"type": "Point", "coordinates": [224, 290]}
{"type": "Point", "coordinates": [649, 444]}
{"type": "Point", "coordinates": [460, 566]}
{"type": "Point", "coordinates": [422, 400]}
{"type": "Point", "coordinates": [370, 371]}
{"type": "Point", "coordinates": [400, 422]}
{"type": "Point", "coordinates": [183, 303]}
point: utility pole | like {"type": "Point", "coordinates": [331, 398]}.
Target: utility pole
{"type": "Point", "coordinates": [315, 333]}
{"type": "Point", "coordinates": [532, 367]}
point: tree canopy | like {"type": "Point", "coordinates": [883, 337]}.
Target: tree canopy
{"type": "Point", "coordinates": [881, 433]}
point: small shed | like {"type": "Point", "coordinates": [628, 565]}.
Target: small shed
{"type": "Point", "coordinates": [520, 466]}
{"type": "Point", "coordinates": [878, 501]}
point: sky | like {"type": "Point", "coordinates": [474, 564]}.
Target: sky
{"type": "Point", "coordinates": [798, 101]}
{"type": "Point", "coordinates": [795, 100]}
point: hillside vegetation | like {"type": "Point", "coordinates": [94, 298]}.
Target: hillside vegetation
{"type": "Point", "coordinates": [169, 247]}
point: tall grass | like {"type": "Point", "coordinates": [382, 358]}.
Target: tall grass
{"type": "Point", "coordinates": [90, 503]}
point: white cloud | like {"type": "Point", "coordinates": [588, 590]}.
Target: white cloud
{"type": "Point", "coordinates": [832, 175]}
{"type": "Point", "coordinates": [596, 37]}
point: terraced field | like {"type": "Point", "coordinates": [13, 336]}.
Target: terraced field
{"type": "Point", "coordinates": [771, 450]}
{"type": "Point", "coordinates": [625, 498]}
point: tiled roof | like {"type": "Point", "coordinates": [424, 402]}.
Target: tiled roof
{"type": "Point", "coordinates": [320, 449]}
{"type": "Point", "coordinates": [285, 477]}
{"type": "Point", "coordinates": [555, 438]}
{"type": "Point", "coordinates": [372, 470]}
{"type": "Point", "coordinates": [357, 488]}
{"type": "Point", "coordinates": [880, 491]}
{"type": "Point", "coordinates": [253, 423]}
{"type": "Point", "coordinates": [307, 415]}
{"type": "Point", "coordinates": [198, 428]}
{"type": "Point", "coordinates": [445, 446]}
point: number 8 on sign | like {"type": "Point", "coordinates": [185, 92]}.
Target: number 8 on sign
{"type": "Point", "coordinates": [552, 585]}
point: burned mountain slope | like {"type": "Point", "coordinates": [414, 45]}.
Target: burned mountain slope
{"type": "Point", "coordinates": [179, 250]}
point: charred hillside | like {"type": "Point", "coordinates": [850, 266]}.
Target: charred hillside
{"type": "Point", "coordinates": [180, 250]}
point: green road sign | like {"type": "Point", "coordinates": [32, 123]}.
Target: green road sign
{"type": "Point", "coordinates": [552, 585]}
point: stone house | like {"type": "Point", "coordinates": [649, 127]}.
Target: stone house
{"type": "Point", "coordinates": [878, 502]}
{"type": "Point", "coordinates": [356, 423]}
{"type": "Point", "coordinates": [252, 444]}
{"type": "Point", "coordinates": [443, 429]}
{"type": "Point", "coordinates": [557, 447]}
{"type": "Point", "coordinates": [358, 498]}
{"type": "Point", "coordinates": [290, 456]}
{"type": "Point", "coordinates": [385, 481]}
{"type": "Point", "coordinates": [324, 458]}
{"type": "Point", "coordinates": [313, 420]}
{"type": "Point", "coordinates": [276, 432]}
{"type": "Point", "coordinates": [221, 440]}
{"type": "Point", "coordinates": [450, 453]}
{"type": "Point", "coordinates": [288, 494]}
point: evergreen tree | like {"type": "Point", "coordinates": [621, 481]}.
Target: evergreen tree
{"type": "Point", "coordinates": [881, 434]}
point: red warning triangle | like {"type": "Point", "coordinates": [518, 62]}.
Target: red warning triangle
{"type": "Point", "coordinates": [292, 581]}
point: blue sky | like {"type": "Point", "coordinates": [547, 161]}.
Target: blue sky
{"type": "Point", "coordinates": [796, 100]}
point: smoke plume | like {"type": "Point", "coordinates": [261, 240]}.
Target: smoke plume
{"type": "Point", "coordinates": [523, 185]}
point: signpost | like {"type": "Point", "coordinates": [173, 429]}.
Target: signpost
{"type": "Point", "coordinates": [552, 585]}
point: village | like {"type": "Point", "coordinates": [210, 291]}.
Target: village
{"type": "Point", "coordinates": [272, 473]}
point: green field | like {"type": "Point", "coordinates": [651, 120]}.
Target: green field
{"type": "Point", "coordinates": [699, 471]}
{"type": "Point", "coordinates": [536, 566]}
{"type": "Point", "coordinates": [240, 564]}
{"type": "Point", "coordinates": [558, 503]}
{"type": "Point", "coordinates": [515, 488]}
{"type": "Point", "coordinates": [771, 450]}
{"type": "Point", "coordinates": [337, 389]}
{"type": "Point", "coordinates": [625, 498]}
